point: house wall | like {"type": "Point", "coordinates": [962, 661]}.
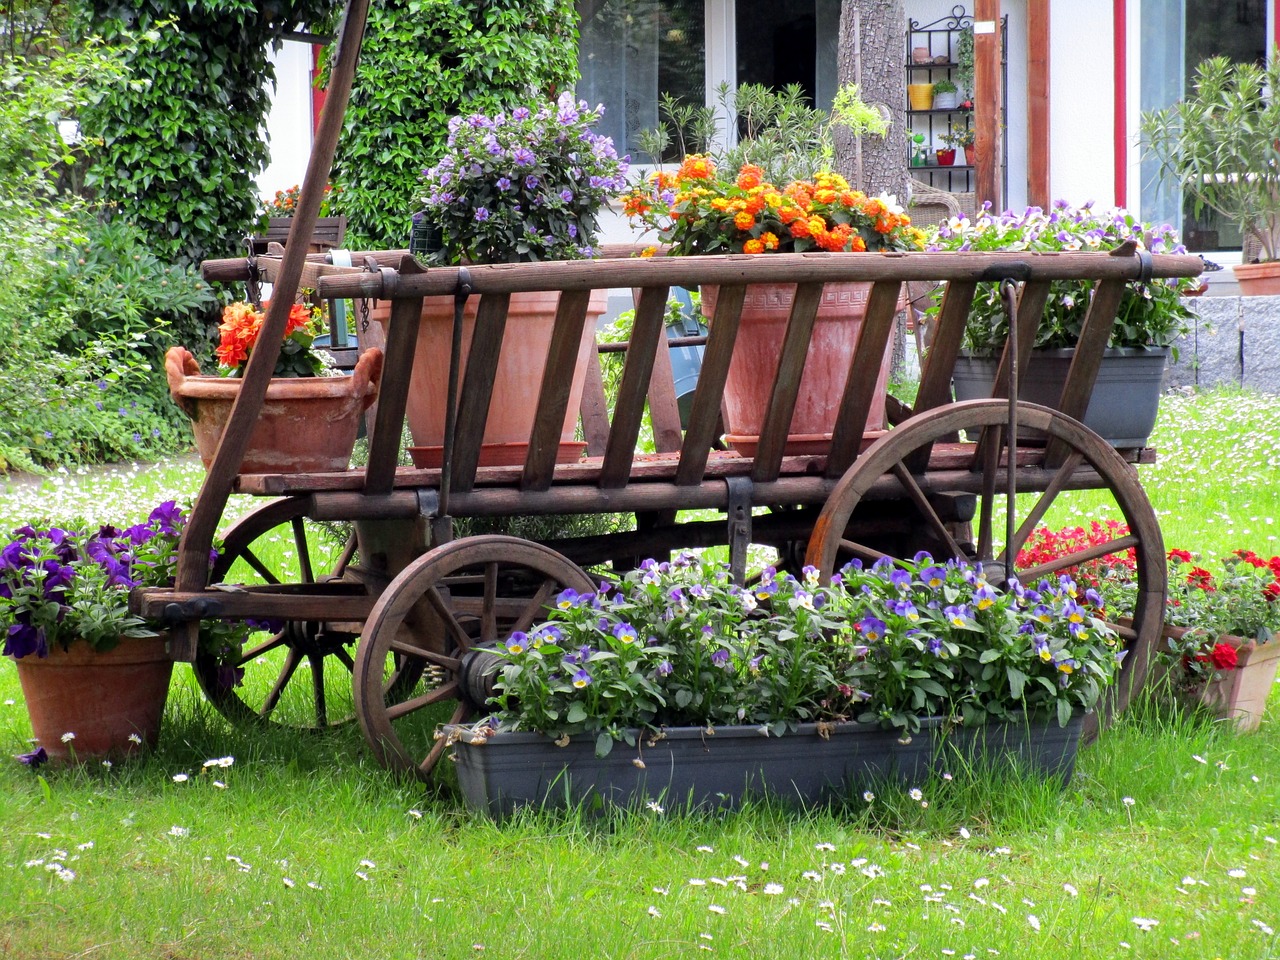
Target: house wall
{"type": "Point", "coordinates": [289, 123]}
{"type": "Point", "coordinates": [1082, 165]}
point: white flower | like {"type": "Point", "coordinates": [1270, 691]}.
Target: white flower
{"type": "Point", "coordinates": [286, 881]}
{"type": "Point", "coordinates": [1071, 891]}
{"type": "Point", "coordinates": [134, 738]}
{"type": "Point", "coordinates": [1144, 924]}
{"type": "Point", "coordinates": [68, 737]}
{"type": "Point", "coordinates": [368, 863]}
{"type": "Point", "coordinates": [980, 883]}
{"type": "Point", "coordinates": [915, 794]}
{"type": "Point", "coordinates": [868, 796]}
{"type": "Point", "coordinates": [773, 889]}
{"type": "Point", "coordinates": [220, 762]}
{"type": "Point", "coordinates": [416, 814]}
{"type": "Point", "coordinates": [824, 846]}
{"type": "Point", "coordinates": [695, 882]}
{"type": "Point", "coordinates": [964, 833]}
{"type": "Point", "coordinates": [1128, 801]}
{"type": "Point", "coordinates": [1236, 874]}
{"type": "Point", "coordinates": [716, 908]}
{"type": "Point", "coordinates": [1034, 921]}
{"type": "Point", "coordinates": [655, 912]}
{"type": "Point", "coordinates": [176, 831]}
{"type": "Point", "coordinates": [876, 928]}
{"type": "Point", "coordinates": [705, 849]}
{"type": "Point", "coordinates": [180, 778]}
{"type": "Point", "coordinates": [653, 805]}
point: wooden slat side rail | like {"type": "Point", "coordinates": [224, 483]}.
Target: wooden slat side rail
{"type": "Point", "coordinates": [864, 367]}
{"type": "Point", "coordinates": [595, 408]}
{"type": "Point", "coordinates": [1095, 333]}
{"type": "Point", "coordinates": [704, 415]}
{"type": "Point", "coordinates": [664, 406]}
{"type": "Point", "coordinates": [393, 396]}
{"type": "Point", "coordinates": [477, 388]}
{"type": "Point", "coordinates": [770, 268]}
{"type": "Point", "coordinates": [553, 395]}
{"type": "Point", "coordinates": [651, 309]}
{"type": "Point", "coordinates": [786, 382]}
{"type": "Point", "coordinates": [940, 362]}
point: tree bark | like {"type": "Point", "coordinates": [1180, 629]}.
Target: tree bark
{"type": "Point", "coordinates": [871, 53]}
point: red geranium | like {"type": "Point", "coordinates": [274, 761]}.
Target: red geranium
{"type": "Point", "coordinates": [241, 324]}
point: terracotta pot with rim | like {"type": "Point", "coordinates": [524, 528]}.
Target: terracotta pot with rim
{"type": "Point", "coordinates": [306, 424]}
{"type": "Point", "coordinates": [525, 342]}
{"type": "Point", "coordinates": [762, 328]}
{"type": "Point", "coordinates": [1258, 279]}
{"type": "Point", "coordinates": [103, 698]}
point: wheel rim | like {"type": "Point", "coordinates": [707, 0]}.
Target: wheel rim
{"type": "Point", "coordinates": [297, 673]}
{"type": "Point", "coordinates": [443, 612]}
{"type": "Point", "coordinates": [887, 466]}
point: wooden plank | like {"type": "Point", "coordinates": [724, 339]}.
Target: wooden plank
{"type": "Point", "coordinates": [664, 407]}
{"type": "Point", "coordinates": [940, 362]}
{"type": "Point", "coordinates": [393, 396]}
{"type": "Point", "coordinates": [595, 409]}
{"type": "Point", "coordinates": [864, 367]}
{"type": "Point", "coordinates": [477, 388]}
{"type": "Point", "coordinates": [553, 395]}
{"type": "Point", "coordinates": [628, 411]}
{"type": "Point", "coordinates": [773, 268]}
{"type": "Point", "coordinates": [1031, 301]}
{"type": "Point", "coordinates": [197, 538]}
{"type": "Point", "coordinates": [1095, 333]}
{"type": "Point", "coordinates": [704, 415]}
{"type": "Point", "coordinates": [786, 382]}
{"type": "Point", "coordinates": [987, 97]}
{"type": "Point", "coordinates": [313, 603]}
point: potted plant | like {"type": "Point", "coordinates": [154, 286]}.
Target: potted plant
{"type": "Point", "coordinates": [311, 413]}
{"type": "Point", "coordinates": [676, 683]}
{"type": "Point", "coordinates": [94, 676]}
{"type": "Point", "coordinates": [697, 211]}
{"type": "Point", "coordinates": [526, 185]}
{"type": "Point", "coordinates": [945, 95]}
{"type": "Point", "coordinates": [1219, 147]}
{"type": "Point", "coordinates": [1125, 400]}
{"type": "Point", "coordinates": [1221, 630]}
{"type": "Point", "coordinates": [275, 218]}
{"type": "Point", "coordinates": [961, 138]}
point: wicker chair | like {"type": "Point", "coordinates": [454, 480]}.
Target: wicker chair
{"type": "Point", "coordinates": [929, 207]}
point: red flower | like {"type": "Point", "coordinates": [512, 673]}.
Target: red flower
{"type": "Point", "coordinates": [1272, 591]}
{"type": "Point", "coordinates": [1182, 556]}
{"type": "Point", "coordinates": [1200, 578]}
{"type": "Point", "coordinates": [1223, 656]}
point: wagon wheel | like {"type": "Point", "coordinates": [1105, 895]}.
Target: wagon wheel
{"type": "Point", "coordinates": [297, 673]}
{"type": "Point", "coordinates": [889, 463]}
{"type": "Point", "coordinates": [443, 611]}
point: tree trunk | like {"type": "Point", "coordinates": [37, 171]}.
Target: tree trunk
{"type": "Point", "coordinates": [871, 53]}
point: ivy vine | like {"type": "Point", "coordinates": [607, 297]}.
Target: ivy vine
{"type": "Point", "coordinates": [182, 144]}
{"type": "Point", "coordinates": [422, 62]}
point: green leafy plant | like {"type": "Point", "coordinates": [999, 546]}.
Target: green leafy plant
{"type": "Point", "coordinates": [1219, 145]}
{"type": "Point", "coordinates": [943, 86]}
{"type": "Point", "coordinates": [964, 58]}
{"type": "Point", "coordinates": [422, 62]}
{"type": "Point", "coordinates": [522, 186]}
{"type": "Point", "coordinates": [958, 137]}
{"type": "Point", "coordinates": [1150, 314]}
{"type": "Point", "coordinates": [679, 644]}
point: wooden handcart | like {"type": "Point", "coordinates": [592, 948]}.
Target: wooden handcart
{"type": "Point", "coordinates": [408, 616]}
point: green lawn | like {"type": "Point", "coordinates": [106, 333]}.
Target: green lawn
{"type": "Point", "coordinates": [1164, 845]}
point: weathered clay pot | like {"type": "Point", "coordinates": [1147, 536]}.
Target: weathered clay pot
{"type": "Point", "coordinates": [761, 330]}
{"type": "Point", "coordinates": [102, 698]}
{"type": "Point", "coordinates": [306, 425]}
{"type": "Point", "coordinates": [1258, 279]}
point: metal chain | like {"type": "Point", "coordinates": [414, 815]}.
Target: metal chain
{"type": "Point", "coordinates": [253, 286]}
{"type": "Point", "coordinates": [364, 314]}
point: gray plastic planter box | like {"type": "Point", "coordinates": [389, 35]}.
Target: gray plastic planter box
{"type": "Point", "coordinates": [1125, 399]}
{"type": "Point", "coordinates": [695, 767]}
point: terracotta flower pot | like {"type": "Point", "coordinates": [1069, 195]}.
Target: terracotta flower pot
{"type": "Point", "coordinates": [306, 425]}
{"type": "Point", "coordinates": [765, 313]}
{"type": "Point", "coordinates": [102, 698]}
{"type": "Point", "coordinates": [1241, 694]}
{"type": "Point", "coordinates": [525, 342]}
{"type": "Point", "coordinates": [1258, 279]}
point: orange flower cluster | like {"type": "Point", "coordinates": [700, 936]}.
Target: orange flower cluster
{"type": "Point", "coordinates": [696, 213]}
{"type": "Point", "coordinates": [240, 326]}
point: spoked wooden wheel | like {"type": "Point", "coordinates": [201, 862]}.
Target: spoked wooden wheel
{"type": "Point", "coordinates": [447, 611]}
{"type": "Point", "coordinates": [295, 673]}
{"type": "Point", "coordinates": [1073, 458]}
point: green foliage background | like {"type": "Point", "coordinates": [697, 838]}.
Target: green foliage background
{"type": "Point", "coordinates": [422, 62]}
{"type": "Point", "coordinates": [180, 149]}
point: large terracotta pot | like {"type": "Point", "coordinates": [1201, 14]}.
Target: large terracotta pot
{"type": "Point", "coordinates": [525, 342]}
{"type": "Point", "coordinates": [306, 425]}
{"type": "Point", "coordinates": [1258, 279]}
{"type": "Point", "coordinates": [102, 698]}
{"type": "Point", "coordinates": [1240, 695]}
{"type": "Point", "coordinates": [763, 326]}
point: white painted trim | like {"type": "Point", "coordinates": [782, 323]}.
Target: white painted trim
{"type": "Point", "coordinates": [720, 40]}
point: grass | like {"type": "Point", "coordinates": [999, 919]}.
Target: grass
{"type": "Point", "coordinates": [1163, 845]}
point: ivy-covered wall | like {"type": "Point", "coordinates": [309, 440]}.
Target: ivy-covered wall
{"type": "Point", "coordinates": [422, 62]}
{"type": "Point", "coordinates": [182, 143]}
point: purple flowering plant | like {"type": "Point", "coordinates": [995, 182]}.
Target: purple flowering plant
{"type": "Point", "coordinates": [59, 585]}
{"type": "Point", "coordinates": [1150, 315]}
{"type": "Point", "coordinates": [679, 644]}
{"type": "Point", "coordinates": [522, 186]}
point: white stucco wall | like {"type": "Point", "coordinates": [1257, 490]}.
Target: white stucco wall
{"type": "Point", "coordinates": [289, 121]}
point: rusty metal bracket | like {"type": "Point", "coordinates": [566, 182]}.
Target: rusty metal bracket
{"type": "Point", "coordinates": [739, 514]}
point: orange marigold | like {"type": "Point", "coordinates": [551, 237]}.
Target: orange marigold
{"type": "Point", "coordinates": [753, 246]}
{"type": "Point", "coordinates": [857, 244]}
{"type": "Point", "coordinates": [770, 240]}
{"type": "Point", "coordinates": [800, 228]}
{"type": "Point", "coordinates": [755, 205]}
{"type": "Point", "coordinates": [744, 221]}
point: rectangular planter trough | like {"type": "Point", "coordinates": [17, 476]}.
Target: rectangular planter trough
{"type": "Point", "coordinates": [718, 768]}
